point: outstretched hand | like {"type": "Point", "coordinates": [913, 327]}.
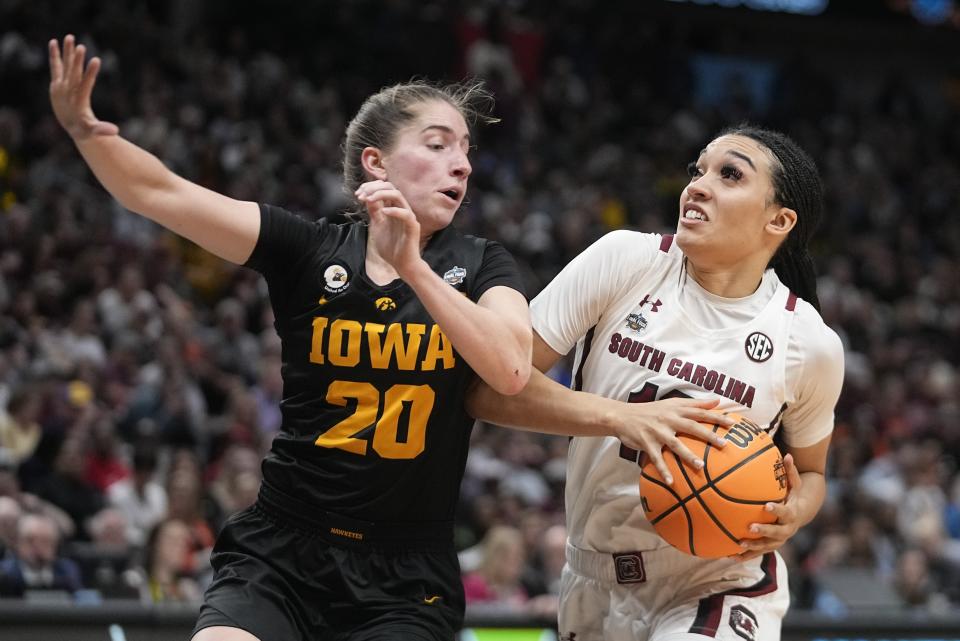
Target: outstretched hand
{"type": "Point", "coordinates": [70, 88]}
{"type": "Point", "coordinates": [394, 229]}
{"type": "Point", "coordinates": [771, 536]}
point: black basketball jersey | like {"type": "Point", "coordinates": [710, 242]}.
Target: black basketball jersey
{"type": "Point", "coordinates": [374, 425]}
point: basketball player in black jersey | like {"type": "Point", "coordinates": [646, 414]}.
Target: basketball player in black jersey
{"type": "Point", "coordinates": [383, 326]}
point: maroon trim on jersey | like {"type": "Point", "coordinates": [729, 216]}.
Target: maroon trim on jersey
{"type": "Point", "coordinates": [707, 621]}
{"type": "Point", "coordinates": [791, 302]}
{"type": "Point", "coordinates": [587, 342]}
{"type": "Point", "coordinates": [665, 243]}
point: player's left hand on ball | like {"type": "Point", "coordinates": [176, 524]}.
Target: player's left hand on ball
{"type": "Point", "coordinates": [771, 536]}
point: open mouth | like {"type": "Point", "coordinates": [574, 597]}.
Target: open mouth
{"type": "Point", "coordinates": [692, 212]}
{"type": "Point", "coordinates": [452, 194]}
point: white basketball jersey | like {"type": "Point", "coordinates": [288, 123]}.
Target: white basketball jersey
{"type": "Point", "coordinates": [644, 331]}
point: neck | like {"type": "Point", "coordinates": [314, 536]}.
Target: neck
{"type": "Point", "coordinates": [378, 268]}
{"type": "Point", "coordinates": [738, 282]}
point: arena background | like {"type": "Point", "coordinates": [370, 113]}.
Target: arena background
{"type": "Point", "coordinates": [130, 350]}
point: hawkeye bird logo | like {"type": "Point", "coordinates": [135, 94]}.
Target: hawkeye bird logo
{"type": "Point", "coordinates": [385, 304]}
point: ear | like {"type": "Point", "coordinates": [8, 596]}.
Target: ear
{"type": "Point", "coordinates": [372, 160]}
{"type": "Point", "coordinates": [781, 223]}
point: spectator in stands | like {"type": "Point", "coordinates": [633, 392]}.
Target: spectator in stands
{"type": "Point", "coordinates": [106, 560]}
{"type": "Point", "coordinates": [66, 486]}
{"type": "Point", "coordinates": [496, 582]}
{"type": "Point", "coordinates": [141, 498]}
{"type": "Point", "coordinates": [19, 429]}
{"type": "Point", "coordinates": [236, 484]}
{"type": "Point", "coordinates": [169, 577]}
{"type": "Point", "coordinates": [36, 564]}
{"type": "Point", "coordinates": [105, 464]}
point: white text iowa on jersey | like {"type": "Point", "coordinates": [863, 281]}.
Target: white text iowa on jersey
{"type": "Point", "coordinates": [394, 346]}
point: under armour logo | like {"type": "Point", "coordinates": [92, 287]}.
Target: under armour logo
{"type": "Point", "coordinates": [654, 306]}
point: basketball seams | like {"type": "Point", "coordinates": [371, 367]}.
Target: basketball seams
{"type": "Point", "coordinates": [695, 492]}
{"type": "Point", "coordinates": [679, 503]}
{"type": "Point", "coordinates": [716, 507]}
{"type": "Point", "coordinates": [711, 482]}
{"type": "Point", "coordinates": [703, 504]}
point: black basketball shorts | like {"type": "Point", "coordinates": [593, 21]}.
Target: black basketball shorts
{"type": "Point", "coordinates": [284, 576]}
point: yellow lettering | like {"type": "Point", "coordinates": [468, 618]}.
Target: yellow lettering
{"type": "Point", "coordinates": [316, 345]}
{"type": "Point", "coordinates": [336, 354]}
{"type": "Point", "coordinates": [406, 350]}
{"type": "Point", "coordinates": [438, 348]}
{"type": "Point", "coordinates": [343, 434]}
{"type": "Point", "coordinates": [386, 438]}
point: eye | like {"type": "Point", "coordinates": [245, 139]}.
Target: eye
{"type": "Point", "coordinates": [692, 170]}
{"type": "Point", "coordinates": [436, 146]}
{"type": "Point", "coordinates": [729, 171]}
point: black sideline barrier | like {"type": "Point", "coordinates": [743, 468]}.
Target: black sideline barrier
{"type": "Point", "coordinates": [131, 621]}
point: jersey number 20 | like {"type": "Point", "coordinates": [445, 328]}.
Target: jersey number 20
{"type": "Point", "coordinates": [386, 433]}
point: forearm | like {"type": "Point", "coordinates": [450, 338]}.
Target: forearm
{"type": "Point", "coordinates": [810, 496]}
{"type": "Point", "coordinates": [544, 406]}
{"type": "Point", "coordinates": [131, 174]}
{"type": "Point", "coordinates": [496, 346]}
{"type": "Point", "coordinates": [141, 183]}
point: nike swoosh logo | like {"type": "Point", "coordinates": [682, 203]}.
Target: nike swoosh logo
{"type": "Point", "coordinates": [432, 600]}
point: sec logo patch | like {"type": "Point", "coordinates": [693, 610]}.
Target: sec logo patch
{"type": "Point", "coordinates": [759, 347]}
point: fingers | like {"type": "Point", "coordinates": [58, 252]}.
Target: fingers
{"type": "Point", "coordinates": [702, 432]}
{"type": "Point", "coordinates": [75, 70]}
{"type": "Point", "coordinates": [375, 211]}
{"type": "Point", "coordinates": [68, 49]}
{"type": "Point", "coordinates": [704, 403]}
{"type": "Point", "coordinates": [380, 191]}
{"type": "Point", "coordinates": [677, 446]}
{"type": "Point", "coordinates": [771, 531]}
{"type": "Point", "coordinates": [69, 68]}
{"type": "Point", "coordinates": [56, 64]}
{"type": "Point", "coordinates": [656, 455]}
{"type": "Point", "coordinates": [793, 474]}
{"type": "Point", "coordinates": [89, 78]}
{"type": "Point", "coordinates": [699, 410]}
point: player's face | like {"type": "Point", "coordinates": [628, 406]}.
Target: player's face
{"type": "Point", "coordinates": [726, 206]}
{"type": "Point", "coordinates": [428, 163]}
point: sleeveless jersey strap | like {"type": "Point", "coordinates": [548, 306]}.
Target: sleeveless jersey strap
{"type": "Point", "coordinates": [791, 302]}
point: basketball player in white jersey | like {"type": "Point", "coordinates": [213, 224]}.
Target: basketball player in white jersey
{"type": "Point", "coordinates": [721, 315]}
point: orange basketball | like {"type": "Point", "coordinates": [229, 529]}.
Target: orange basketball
{"type": "Point", "coordinates": [706, 512]}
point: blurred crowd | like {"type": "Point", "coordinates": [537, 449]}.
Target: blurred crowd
{"type": "Point", "coordinates": [139, 376]}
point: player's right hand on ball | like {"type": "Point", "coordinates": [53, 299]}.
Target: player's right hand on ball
{"type": "Point", "coordinates": [650, 427]}
{"type": "Point", "coordinates": [70, 87]}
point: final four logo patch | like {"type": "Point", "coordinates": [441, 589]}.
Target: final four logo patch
{"type": "Point", "coordinates": [455, 276]}
{"type": "Point", "coordinates": [336, 278]}
{"type": "Point", "coordinates": [636, 322]}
